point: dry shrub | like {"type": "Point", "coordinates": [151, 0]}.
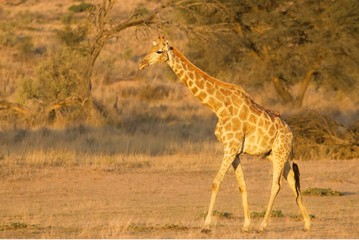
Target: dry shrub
{"type": "Point", "coordinates": [321, 192]}
{"type": "Point", "coordinates": [319, 137]}
{"type": "Point", "coordinates": [148, 92]}
{"type": "Point", "coordinates": [275, 213]}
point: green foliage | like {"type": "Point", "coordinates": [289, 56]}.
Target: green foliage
{"type": "Point", "coordinates": [13, 226]}
{"type": "Point", "coordinates": [300, 217]}
{"type": "Point", "coordinates": [72, 36]}
{"type": "Point", "coordinates": [321, 192]}
{"type": "Point", "coordinates": [275, 213]}
{"type": "Point", "coordinates": [222, 214]}
{"type": "Point", "coordinates": [219, 214]}
{"type": "Point", "coordinates": [28, 89]}
{"type": "Point", "coordinates": [82, 7]}
{"type": "Point", "coordinates": [57, 78]}
{"type": "Point", "coordinates": [139, 227]}
{"type": "Point", "coordinates": [253, 41]}
{"type": "Point", "coordinates": [174, 227]}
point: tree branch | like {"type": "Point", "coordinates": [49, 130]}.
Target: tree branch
{"type": "Point", "coordinates": [5, 105]}
{"type": "Point", "coordinates": [129, 23]}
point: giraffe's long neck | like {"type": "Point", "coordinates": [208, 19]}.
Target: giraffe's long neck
{"type": "Point", "coordinates": [207, 89]}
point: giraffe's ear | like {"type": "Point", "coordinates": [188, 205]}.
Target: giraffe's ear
{"type": "Point", "coordinates": [168, 45]}
{"type": "Point", "coordinates": [154, 43]}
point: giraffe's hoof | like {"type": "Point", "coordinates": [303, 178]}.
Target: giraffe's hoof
{"type": "Point", "coordinates": [261, 229]}
{"type": "Point", "coordinates": [306, 228]}
{"type": "Point", "coordinates": [245, 228]}
{"type": "Point", "coordinates": [206, 230]}
{"type": "Point", "coordinates": [246, 225]}
{"type": "Point", "coordinates": [262, 226]}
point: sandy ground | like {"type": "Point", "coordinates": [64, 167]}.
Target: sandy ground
{"type": "Point", "coordinates": [84, 202]}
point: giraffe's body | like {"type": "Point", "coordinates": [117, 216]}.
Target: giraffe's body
{"type": "Point", "coordinates": [243, 127]}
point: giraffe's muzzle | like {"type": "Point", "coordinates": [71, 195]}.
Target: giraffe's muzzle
{"type": "Point", "coordinates": [143, 64]}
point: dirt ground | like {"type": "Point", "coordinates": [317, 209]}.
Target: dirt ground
{"type": "Point", "coordinates": [147, 202]}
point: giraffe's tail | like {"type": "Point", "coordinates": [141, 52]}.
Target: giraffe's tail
{"type": "Point", "coordinates": [296, 178]}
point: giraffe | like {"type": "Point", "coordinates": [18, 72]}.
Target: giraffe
{"type": "Point", "coordinates": [243, 127]}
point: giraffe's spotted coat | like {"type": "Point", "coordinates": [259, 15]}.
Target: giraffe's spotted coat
{"type": "Point", "coordinates": [243, 127]}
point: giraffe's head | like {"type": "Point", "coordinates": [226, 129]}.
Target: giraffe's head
{"type": "Point", "coordinates": [160, 52]}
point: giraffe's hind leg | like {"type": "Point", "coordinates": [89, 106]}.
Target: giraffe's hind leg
{"type": "Point", "coordinates": [292, 178]}
{"type": "Point", "coordinates": [278, 167]}
{"type": "Point", "coordinates": [243, 189]}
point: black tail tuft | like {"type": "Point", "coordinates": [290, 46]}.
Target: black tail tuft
{"type": "Point", "coordinates": [296, 177]}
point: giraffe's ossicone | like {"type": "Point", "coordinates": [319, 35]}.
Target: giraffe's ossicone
{"type": "Point", "coordinates": [244, 127]}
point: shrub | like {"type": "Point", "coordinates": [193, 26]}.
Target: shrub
{"type": "Point", "coordinates": [275, 213]}
{"type": "Point", "coordinates": [219, 214]}
{"type": "Point", "coordinates": [28, 89]}
{"type": "Point", "coordinates": [321, 192]}
{"type": "Point", "coordinates": [72, 37]}
{"type": "Point", "coordinates": [317, 136]}
{"type": "Point", "coordinates": [57, 79]}
{"type": "Point", "coordinates": [82, 7]}
{"type": "Point", "coordinates": [25, 46]}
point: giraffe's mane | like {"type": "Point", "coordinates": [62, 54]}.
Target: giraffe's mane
{"type": "Point", "coordinates": [207, 76]}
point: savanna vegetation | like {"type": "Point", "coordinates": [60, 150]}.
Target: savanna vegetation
{"type": "Point", "coordinates": [72, 101]}
{"type": "Point", "coordinates": [75, 63]}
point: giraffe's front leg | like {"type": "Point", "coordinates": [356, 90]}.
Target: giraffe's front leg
{"type": "Point", "coordinates": [243, 189]}
{"type": "Point", "coordinates": [229, 156]}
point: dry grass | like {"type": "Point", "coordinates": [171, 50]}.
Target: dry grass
{"type": "Point", "coordinates": [139, 196]}
{"type": "Point", "coordinates": [148, 104]}
{"type": "Point", "coordinates": [147, 172]}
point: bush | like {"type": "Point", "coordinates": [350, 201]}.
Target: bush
{"type": "Point", "coordinates": [320, 137]}
{"type": "Point", "coordinates": [275, 213]}
{"type": "Point", "coordinates": [57, 78]}
{"type": "Point", "coordinates": [25, 46]}
{"type": "Point", "coordinates": [72, 37]}
{"type": "Point", "coordinates": [82, 7]}
{"type": "Point", "coordinates": [321, 192]}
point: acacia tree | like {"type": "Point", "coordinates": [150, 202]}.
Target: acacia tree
{"type": "Point", "coordinates": [287, 43]}
{"type": "Point", "coordinates": [102, 28]}
{"type": "Point", "coordinates": [62, 87]}
{"type": "Point", "coordinates": [165, 17]}
{"type": "Point", "coordinates": [246, 42]}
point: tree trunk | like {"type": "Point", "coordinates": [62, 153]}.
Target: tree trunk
{"type": "Point", "coordinates": [99, 21]}
{"type": "Point", "coordinates": [282, 90]}
{"type": "Point", "coordinates": [303, 88]}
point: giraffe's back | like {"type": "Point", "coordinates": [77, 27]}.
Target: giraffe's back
{"type": "Point", "coordinates": [261, 127]}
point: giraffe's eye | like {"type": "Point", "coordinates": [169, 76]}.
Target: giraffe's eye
{"type": "Point", "coordinates": [159, 52]}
